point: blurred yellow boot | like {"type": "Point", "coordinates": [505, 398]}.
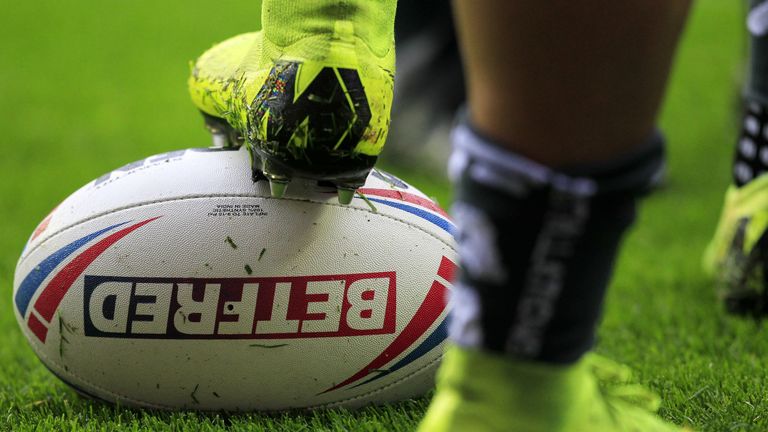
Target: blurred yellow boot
{"type": "Point", "coordinates": [483, 392]}
{"type": "Point", "coordinates": [737, 256]}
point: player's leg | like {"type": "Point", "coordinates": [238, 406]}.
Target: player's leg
{"type": "Point", "coordinates": [429, 87]}
{"type": "Point", "coordinates": [738, 254]}
{"type": "Point", "coordinates": [311, 93]}
{"type": "Point", "coordinates": [556, 147]}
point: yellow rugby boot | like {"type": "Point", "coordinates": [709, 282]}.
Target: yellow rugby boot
{"type": "Point", "coordinates": [737, 256]}
{"type": "Point", "coordinates": [310, 94]}
{"type": "Point", "coordinates": [482, 392]}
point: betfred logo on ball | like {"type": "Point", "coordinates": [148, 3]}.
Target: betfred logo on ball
{"type": "Point", "coordinates": [240, 308]}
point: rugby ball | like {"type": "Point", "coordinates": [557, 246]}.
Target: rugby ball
{"type": "Point", "coordinates": [176, 282]}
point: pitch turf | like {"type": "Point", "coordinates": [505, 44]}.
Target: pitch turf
{"type": "Point", "coordinates": [88, 86]}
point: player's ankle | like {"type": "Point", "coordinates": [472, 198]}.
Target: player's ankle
{"type": "Point", "coordinates": [286, 23]}
{"type": "Point", "coordinates": [537, 246]}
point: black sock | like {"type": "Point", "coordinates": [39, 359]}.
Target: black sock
{"type": "Point", "coordinates": [537, 246]}
{"type": "Point", "coordinates": [751, 158]}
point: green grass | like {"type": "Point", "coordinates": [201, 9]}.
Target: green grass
{"type": "Point", "coordinates": [87, 86]}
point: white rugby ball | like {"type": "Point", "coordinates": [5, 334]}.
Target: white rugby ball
{"type": "Point", "coordinates": [177, 283]}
